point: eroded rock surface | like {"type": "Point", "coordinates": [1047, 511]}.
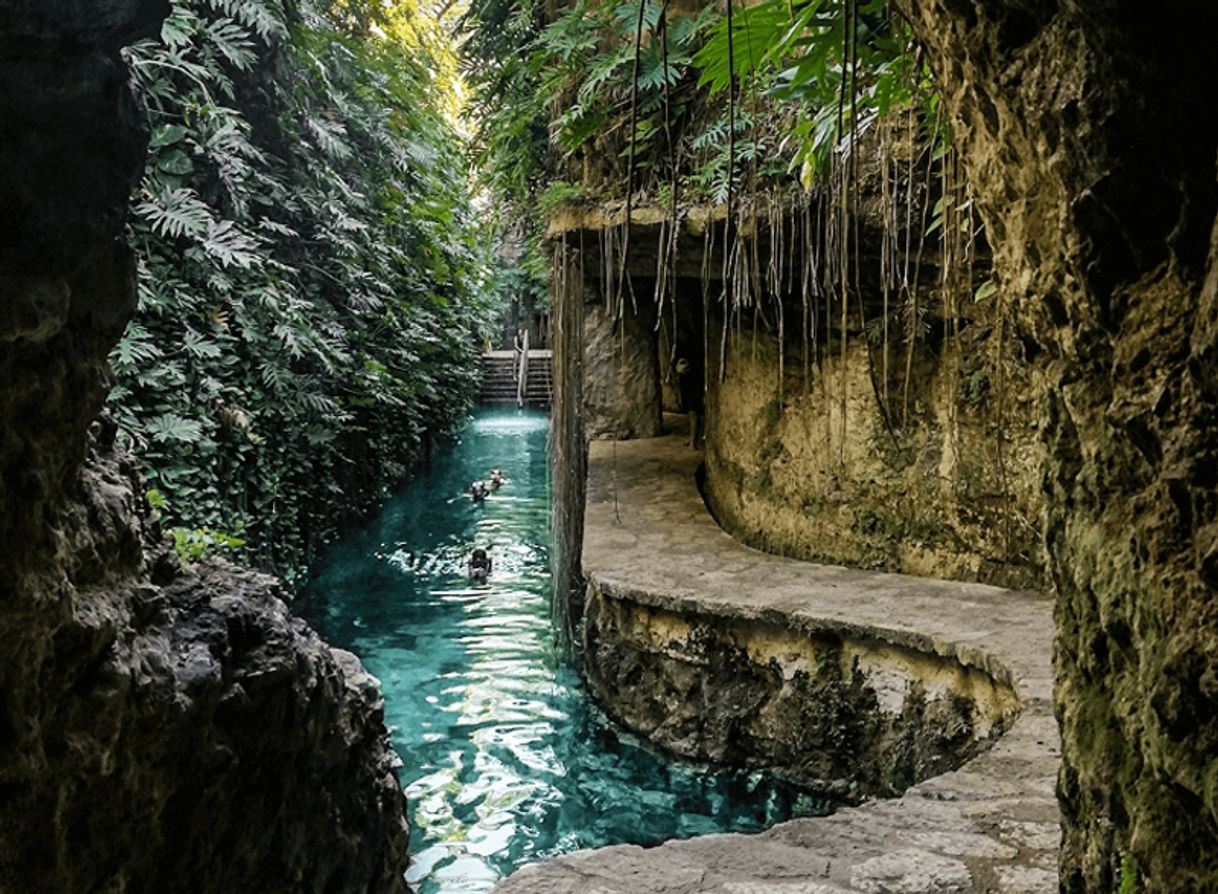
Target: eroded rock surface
{"type": "Point", "coordinates": [621, 395]}
{"type": "Point", "coordinates": [848, 715]}
{"type": "Point", "coordinates": [160, 729]}
{"type": "Point", "coordinates": [1095, 177]}
{"type": "Point", "coordinates": [956, 494]}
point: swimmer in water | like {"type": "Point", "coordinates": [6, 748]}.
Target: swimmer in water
{"type": "Point", "coordinates": [497, 479]}
{"type": "Point", "coordinates": [478, 491]}
{"type": "Point", "coordinates": [479, 565]}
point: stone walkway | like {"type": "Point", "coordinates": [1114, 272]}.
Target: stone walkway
{"type": "Point", "coordinates": [991, 826]}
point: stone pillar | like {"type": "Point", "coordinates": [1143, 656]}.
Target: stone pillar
{"type": "Point", "coordinates": [621, 371]}
{"type": "Point", "coordinates": [568, 442]}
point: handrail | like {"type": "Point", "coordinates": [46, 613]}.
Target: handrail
{"type": "Point", "coordinates": [522, 373]}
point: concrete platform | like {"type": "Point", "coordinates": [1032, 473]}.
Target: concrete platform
{"type": "Point", "coordinates": [991, 826]}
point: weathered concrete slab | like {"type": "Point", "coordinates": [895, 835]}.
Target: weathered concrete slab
{"type": "Point", "coordinates": [991, 826]}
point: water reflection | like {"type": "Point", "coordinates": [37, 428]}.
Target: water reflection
{"type": "Point", "coordinates": [504, 760]}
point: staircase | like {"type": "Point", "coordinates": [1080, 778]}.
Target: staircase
{"type": "Point", "coordinates": [499, 378]}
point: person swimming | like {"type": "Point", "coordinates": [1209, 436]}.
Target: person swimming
{"type": "Point", "coordinates": [479, 565]}
{"type": "Point", "coordinates": [497, 479]}
{"type": "Point", "coordinates": [478, 491]}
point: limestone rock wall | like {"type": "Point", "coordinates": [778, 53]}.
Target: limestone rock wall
{"type": "Point", "coordinates": [1095, 175]}
{"type": "Point", "coordinates": [621, 373]}
{"type": "Point", "coordinates": [160, 729]}
{"type": "Point", "coordinates": [846, 715]}
{"type": "Point", "coordinates": [939, 497]}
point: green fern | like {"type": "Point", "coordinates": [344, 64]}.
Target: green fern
{"type": "Point", "coordinates": [232, 248]}
{"type": "Point", "coordinates": [232, 41]}
{"type": "Point", "coordinates": [263, 18]}
{"type": "Point", "coordinates": [135, 348]}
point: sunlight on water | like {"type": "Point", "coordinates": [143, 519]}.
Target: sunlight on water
{"type": "Point", "coordinates": [524, 422]}
{"type": "Point", "coordinates": [505, 760]}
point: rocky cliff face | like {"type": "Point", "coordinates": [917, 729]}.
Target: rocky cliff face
{"type": "Point", "coordinates": [1096, 178]}
{"type": "Point", "coordinates": [159, 729]}
{"type": "Point", "coordinates": [936, 498]}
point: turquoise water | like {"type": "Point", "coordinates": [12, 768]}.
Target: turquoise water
{"type": "Point", "coordinates": [505, 761]}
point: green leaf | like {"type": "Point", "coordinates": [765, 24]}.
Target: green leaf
{"type": "Point", "coordinates": [176, 212]}
{"type": "Point", "coordinates": [233, 42]}
{"type": "Point", "coordinates": [200, 346]}
{"type": "Point", "coordinates": [179, 28]}
{"type": "Point", "coordinates": [230, 246]}
{"type": "Point", "coordinates": [170, 427]}
{"type": "Point", "coordinates": [166, 135]}
{"type": "Point", "coordinates": [175, 162]}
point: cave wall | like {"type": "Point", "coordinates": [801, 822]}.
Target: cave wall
{"type": "Point", "coordinates": [1094, 170]}
{"type": "Point", "coordinates": [935, 471]}
{"type": "Point", "coordinates": [161, 728]}
{"type": "Point", "coordinates": [931, 497]}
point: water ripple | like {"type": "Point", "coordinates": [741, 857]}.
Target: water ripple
{"type": "Point", "coordinates": [505, 761]}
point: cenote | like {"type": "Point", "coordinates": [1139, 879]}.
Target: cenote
{"type": "Point", "coordinates": [504, 759]}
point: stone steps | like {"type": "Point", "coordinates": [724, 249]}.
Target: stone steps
{"type": "Point", "coordinates": [499, 379]}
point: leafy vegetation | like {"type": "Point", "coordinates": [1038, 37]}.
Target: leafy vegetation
{"type": "Point", "coordinates": [314, 278]}
{"type": "Point", "coordinates": [778, 115]}
{"type": "Point", "coordinates": [836, 67]}
{"type": "Point", "coordinates": [311, 281]}
{"type": "Point", "coordinates": [509, 142]}
{"type": "Point", "coordinates": [694, 105]}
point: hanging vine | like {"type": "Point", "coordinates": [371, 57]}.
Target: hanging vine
{"type": "Point", "coordinates": [807, 142]}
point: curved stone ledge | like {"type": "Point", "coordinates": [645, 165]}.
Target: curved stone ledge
{"type": "Point", "coordinates": [652, 553]}
{"type": "Point", "coordinates": [849, 713]}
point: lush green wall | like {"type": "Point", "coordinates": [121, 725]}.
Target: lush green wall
{"type": "Point", "coordinates": [310, 278]}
